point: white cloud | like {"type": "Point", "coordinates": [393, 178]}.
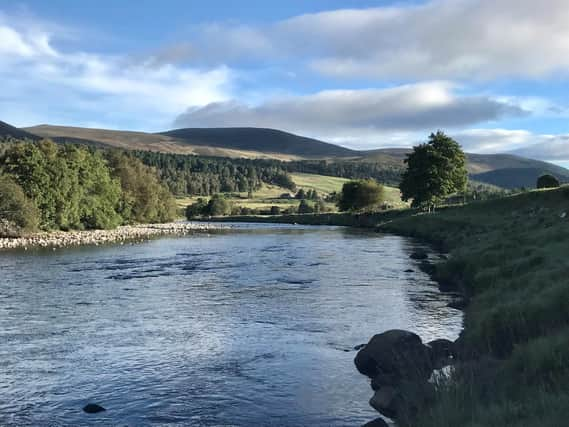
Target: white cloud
{"type": "Point", "coordinates": [521, 142]}
{"type": "Point", "coordinates": [358, 117]}
{"type": "Point", "coordinates": [440, 39]}
{"type": "Point", "coordinates": [66, 85]}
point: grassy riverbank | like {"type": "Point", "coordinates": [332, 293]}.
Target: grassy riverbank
{"type": "Point", "coordinates": [510, 257]}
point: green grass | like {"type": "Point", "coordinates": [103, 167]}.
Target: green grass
{"type": "Point", "coordinates": [268, 195]}
{"type": "Point", "coordinates": [510, 256]}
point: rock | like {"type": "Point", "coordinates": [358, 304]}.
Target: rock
{"type": "Point", "coordinates": [419, 255]}
{"type": "Point", "coordinates": [427, 267]}
{"type": "Point", "coordinates": [395, 352]}
{"type": "Point", "coordinates": [443, 352]}
{"type": "Point", "coordinates": [403, 403]}
{"type": "Point", "coordinates": [359, 346]}
{"type": "Point", "coordinates": [385, 400]}
{"type": "Point", "coordinates": [409, 270]}
{"type": "Point", "coordinates": [458, 303]}
{"type": "Point", "coordinates": [93, 408]}
{"type": "Point", "coordinates": [383, 379]}
{"type": "Point", "coordinates": [378, 422]}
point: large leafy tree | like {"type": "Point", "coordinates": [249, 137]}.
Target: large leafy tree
{"type": "Point", "coordinates": [435, 170]}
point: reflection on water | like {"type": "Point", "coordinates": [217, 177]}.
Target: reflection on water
{"type": "Point", "coordinates": [250, 327]}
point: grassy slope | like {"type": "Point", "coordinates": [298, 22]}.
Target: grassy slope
{"type": "Point", "coordinates": [268, 195]}
{"type": "Point", "coordinates": [510, 255]}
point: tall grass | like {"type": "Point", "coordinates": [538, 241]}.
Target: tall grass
{"type": "Point", "coordinates": [511, 256]}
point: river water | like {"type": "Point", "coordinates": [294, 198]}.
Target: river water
{"type": "Point", "coordinates": [254, 326]}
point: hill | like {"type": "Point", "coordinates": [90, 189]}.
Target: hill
{"type": "Point", "coordinates": [129, 140]}
{"type": "Point", "coordinates": [504, 170]}
{"type": "Point", "coordinates": [260, 139]}
{"type": "Point", "coordinates": [9, 131]}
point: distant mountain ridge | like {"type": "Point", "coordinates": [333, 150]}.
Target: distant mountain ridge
{"type": "Point", "coordinates": [504, 170]}
{"type": "Point", "coordinates": [260, 139]}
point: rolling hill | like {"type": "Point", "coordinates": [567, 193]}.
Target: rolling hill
{"type": "Point", "coordinates": [262, 140]}
{"type": "Point", "coordinates": [9, 131]}
{"type": "Point", "coordinates": [505, 170]}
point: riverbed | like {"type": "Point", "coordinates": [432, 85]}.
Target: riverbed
{"type": "Point", "coordinates": [251, 326]}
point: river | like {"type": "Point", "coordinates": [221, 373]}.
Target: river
{"type": "Point", "coordinates": [253, 326]}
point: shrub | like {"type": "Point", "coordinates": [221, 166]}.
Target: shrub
{"type": "Point", "coordinates": [547, 181]}
{"type": "Point", "coordinates": [304, 207]}
{"type": "Point", "coordinates": [17, 212]}
{"type": "Point", "coordinates": [218, 206]}
{"type": "Point", "coordinates": [196, 209]}
{"type": "Point", "coordinates": [359, 195]}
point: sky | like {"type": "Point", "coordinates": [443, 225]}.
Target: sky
{"type": "Point", "coordinates": [493, 74]}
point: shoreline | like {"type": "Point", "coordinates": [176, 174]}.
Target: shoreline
{"type": "Point", "coordinates": [121, 234]}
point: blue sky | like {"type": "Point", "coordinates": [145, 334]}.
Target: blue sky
{"type": "Point", "coordinates": [364, 74]}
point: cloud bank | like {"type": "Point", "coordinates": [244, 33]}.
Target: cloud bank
{"type": "Point", "coordinates": [39, 80]}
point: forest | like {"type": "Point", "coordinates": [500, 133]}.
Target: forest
{"type": "Point", "coordinates": [48, 186]}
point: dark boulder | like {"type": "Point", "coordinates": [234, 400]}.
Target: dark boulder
{"type": "Point", "coordinates": [93, 408]}
{"type": "Point", "coordinates": [384, 379]}
{"type": "Point", "coordinates": [395, 352]}
{"type": "Point", "coordinates": [419, 255]}
{"type": "Point", "coordinates": [404, 401]}
{"type": "Point", "coordinates": [359, 346]}
{"type": "Point", "coordinates": [409, 270]}
{"type": "Point", "coordinates": [378, 422]}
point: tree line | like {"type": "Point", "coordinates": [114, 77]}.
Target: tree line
{"type": "Point", "coordinates": [205, 176]}
{"type": "Point", "coordinates": [49, 186]}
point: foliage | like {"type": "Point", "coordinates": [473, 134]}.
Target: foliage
{"type": "Point", "coordinates": [435, 170]}
{"type": "Point", "coordinates": [70, 185]}
{"type": "Point", "coordinates": [218, 205]}
{"type": "Point", "coordinates": [509, 256]}
{"type": "Point", "coordinates": [304, 207]}
{"type": "Point", "coordinates": [359, 195]}
{"type": "Point", "coordinates": [547, 181]}
{"type": "Point", "coordinates": [144, 198]}
{"type": "Point", "coordinates": [76, 187]}
{"type": "Point", "coordinates": [17, 212]}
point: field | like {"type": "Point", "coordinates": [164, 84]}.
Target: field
{"type": "Point", "coordinates": [269, 195]}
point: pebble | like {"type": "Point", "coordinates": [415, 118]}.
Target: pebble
{"type": "Point", "coordinates": [122, 234]}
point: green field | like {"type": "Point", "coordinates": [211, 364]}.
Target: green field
{"type": "Point", "coordinates": [269, 195]}
{"type": "Point", "coordinates": [509, 256]}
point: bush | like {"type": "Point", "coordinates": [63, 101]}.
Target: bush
{"type": "Point", "coordinates": [218, 206]}
{"type": "Point", "coordinates": [275, 210]}
{"type": "Point", "coordinates": [359, 195]}
{"type": "Point", "coordinates": [196, 209]}
{"type": "Point", "coordinates": [17, 212]}
{"type": "Point", "coordinates": [304, 207]}
{"type": "Point", "coordinates": [547, 181]}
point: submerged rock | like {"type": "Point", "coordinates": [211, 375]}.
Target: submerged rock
{"type": "Point", "coordinates": [93, 408]}
{"type": "Point", "coordinates": [419, 255]}
{"type": "Point", "coordinates": [409, 270]}
{"type": "Point", "coordinates": [378, 422]}
{"type": "Point", "coordinates": [459, 303]}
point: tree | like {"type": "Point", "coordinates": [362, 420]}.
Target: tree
{"type": "Point", "coordinates": [547, 181]}
{"type": "Point", "coordinates": [218, 206]}
{"type": "Point", "coordinates": [198, 208]}
{"type": "Point", "coordinates": [301, 194]}
{"type": "Point", "coordinates": [435, 170]}
{"type": "Point", "coordinates": [304, 207]}
{"type": "Point", "coordinates": [17, 212]}
{"type": "Point", "coordinates": [360, 194]}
